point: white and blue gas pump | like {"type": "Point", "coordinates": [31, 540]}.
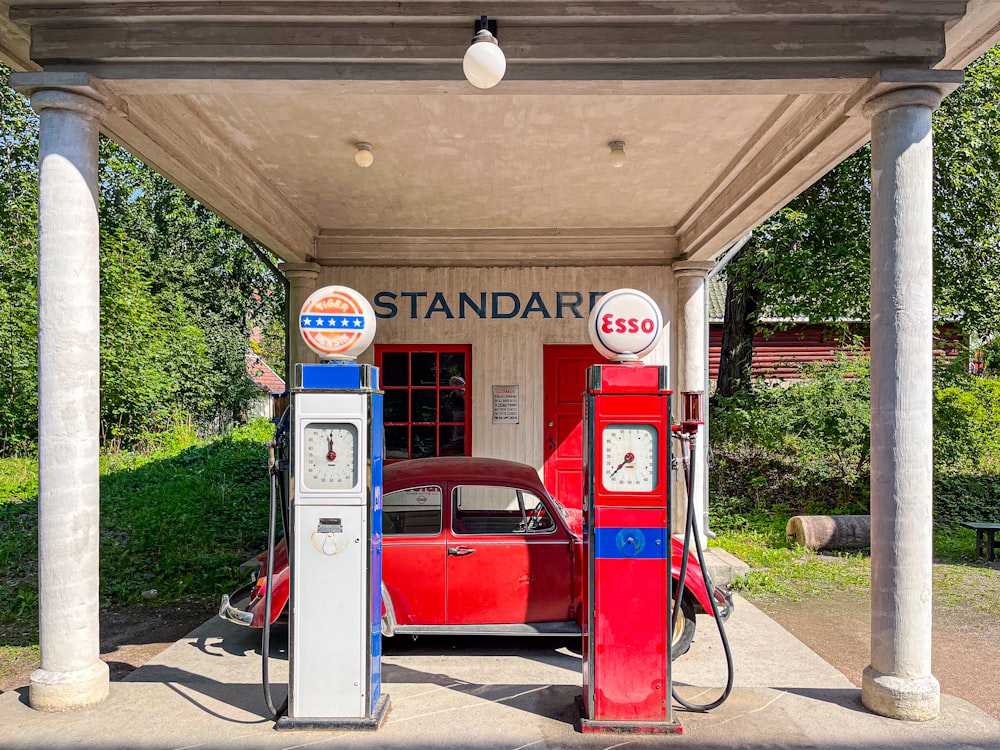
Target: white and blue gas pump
{"type": "Point", "coordinates": [335, 545]}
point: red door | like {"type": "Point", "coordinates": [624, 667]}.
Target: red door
{"type": "Point", "coordinates": [565, 378]}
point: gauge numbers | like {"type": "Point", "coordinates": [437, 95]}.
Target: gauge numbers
{"type": "Point", "coordinates": [330, 460]}
{"type": "Point", "coordinates": [629, 458]}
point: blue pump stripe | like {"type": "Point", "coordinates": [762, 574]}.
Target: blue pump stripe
{"type": "Point", "coordinates": [616, 543]}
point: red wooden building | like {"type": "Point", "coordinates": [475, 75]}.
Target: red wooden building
{"type": "Point", "coordinates": [780, 355]}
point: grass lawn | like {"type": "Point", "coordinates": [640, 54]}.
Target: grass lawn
{"type": "Point", "coordinates": [782, 571]}
{"type": "Point", "coordinates": [179, 519]}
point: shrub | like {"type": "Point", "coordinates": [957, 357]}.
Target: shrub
{"type": "Point", "coordinates": [804, 447]}
{"type": "Point", "coordinates": [799, 447]}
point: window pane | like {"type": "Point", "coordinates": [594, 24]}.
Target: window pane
{"type": "Point", "coordinates": [395, 370]}
{"type": "Point", "coordinates": [452, 366]}
{"type": "Point", "coordinates": [423, 405]}
{"type": "Point", "coordinates": [451, 440]}
{"type": "Point", "coordinates": [487, 510]}
{"type": "Point", "coordinates": [397, 442]}
{"type": "Point", "coordinates": [395, 406]}
{"type": "Point", "coordinates": [423, 444]}
{"type": "Point", "coordinates": [424, 368]}
{"type": "Point", "coordinates": [412, 511]}
{"type": "Point", "coordinates": [452, 405]}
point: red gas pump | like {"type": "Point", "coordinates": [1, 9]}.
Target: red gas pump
{"type": "Point", "coordinates": [629, 617]}
{"type": "Point", "coordinates": [626, 636]}
{"type": "Point", "coordinates": [627, 430]}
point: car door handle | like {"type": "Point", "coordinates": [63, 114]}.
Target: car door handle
{"type": "Point", "coordinates": [460, 551]}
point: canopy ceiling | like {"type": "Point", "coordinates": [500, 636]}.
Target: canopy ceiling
{"type": "Point", "coordinates": [728, 108]}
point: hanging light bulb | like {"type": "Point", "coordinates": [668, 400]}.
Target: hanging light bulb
{"type": "Point", "coordinates": [484, 63]}
{"type": "Point", "coordinates": [617, 156]}
{"type": "Point", "coordinates": [363, 157]}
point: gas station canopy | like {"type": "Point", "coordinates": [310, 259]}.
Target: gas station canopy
{"type": "Point", "coordinates": [727, 109]}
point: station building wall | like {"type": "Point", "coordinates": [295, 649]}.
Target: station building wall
{"type": "Point", "coordinates": [506, 315]}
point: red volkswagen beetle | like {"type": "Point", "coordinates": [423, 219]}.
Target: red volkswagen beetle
{"type": "Point", "coordinates": [477, 546]}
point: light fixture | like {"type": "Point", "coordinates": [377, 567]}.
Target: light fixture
{"type": "Point", "coordinates": [617, 156]}
{"type": "Point", "coordinates": [484, 63]}
{"type": "Point", "coordinates": [363, 157]}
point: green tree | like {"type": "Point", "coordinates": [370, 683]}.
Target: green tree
{"type": "Point", "coordinates": [180, 294]}
{"type": "Point", "coordinates": [18, 271]}
{"type": "Point", "coordinates": [811, 258]}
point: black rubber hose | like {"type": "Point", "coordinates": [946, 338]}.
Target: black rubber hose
{"type": "Point", "coordinates": [691, 531]}
{"type": "Point", "coordinates": [265, 640]}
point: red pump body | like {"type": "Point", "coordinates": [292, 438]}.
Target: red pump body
{"type": "Point", "coordinates": [626, 649]}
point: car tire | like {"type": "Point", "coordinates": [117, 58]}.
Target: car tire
{"type": "Point", "coordinates": [684, 632]}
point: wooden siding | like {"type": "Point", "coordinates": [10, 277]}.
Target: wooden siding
{"type": "Point", "coordinates": [781, 355]}
{"type": "Point", "coordinates": [504, 351]}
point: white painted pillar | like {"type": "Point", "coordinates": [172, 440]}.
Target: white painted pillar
{"type": "Point", "coordinates": [692, 375]}
{"type": "Point", "coordinates": [301, 283]}
{"type": "Point", "coordinates": [898, 683]}
{"type": "Point", "coordinates": [72, 674]}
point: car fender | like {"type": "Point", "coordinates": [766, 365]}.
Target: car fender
{"type": "Point", "coordinates": [694, 582]}
{"type": "Point", "coordinates": [280, 588]}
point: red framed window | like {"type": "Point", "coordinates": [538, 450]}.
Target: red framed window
{"type": "Point", "coordinates": [426, 408]}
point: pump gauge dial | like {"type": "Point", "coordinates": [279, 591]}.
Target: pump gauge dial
{"type": "Point", "coordinates": [330, 456]}
{"type": "Point", "coordinates": [629, 458]}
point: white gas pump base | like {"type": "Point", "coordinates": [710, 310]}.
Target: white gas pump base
{"type": "Point", "coordinates": [364, 724]}
{"type": "Point", "coordinates": [593, 726]}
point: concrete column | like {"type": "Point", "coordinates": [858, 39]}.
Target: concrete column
{"type": "Point", "coordinates": [898, 683]}
{"type": "Point", "coordinates": [72, 674]}
{"type": "Point", "coordinates": [692, 374]}
{"type": "Point", "coordinates": [302, 279]}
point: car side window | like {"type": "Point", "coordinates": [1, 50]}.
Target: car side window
{"type": "Point", "coordinates": [412, 512]}
{"type": "Point", "coordinates": [481, 509]}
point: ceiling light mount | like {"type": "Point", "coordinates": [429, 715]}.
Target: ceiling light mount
{"type": "Point", "coordinates": [617, 156]}
{"type": "Point", "coordinates": [484, 63]}
{"type": "Point", "coordinates": [363, 155]}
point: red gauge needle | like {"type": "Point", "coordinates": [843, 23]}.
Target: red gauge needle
{"type": "Point", "coordinates": [629, 458]}
{"type": "Point", "coordinates": [331, 455]}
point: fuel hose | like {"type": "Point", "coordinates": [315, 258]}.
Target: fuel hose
{"type": "Point", "coordinates": [691, 533]}
{"type": "Point", "coordinates": [276, 468]}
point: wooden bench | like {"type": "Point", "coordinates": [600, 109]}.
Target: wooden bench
{"type": "Point", "coordinates": [986, 540]}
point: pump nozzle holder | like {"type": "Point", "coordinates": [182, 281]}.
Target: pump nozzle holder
{"type": "Point", "coordinates": [693, 413]}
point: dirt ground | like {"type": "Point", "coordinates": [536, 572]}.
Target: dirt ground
{"type": "Point", "coordinates": [129, 638]}
{"type": "Point", "coordinates": [836, 627]}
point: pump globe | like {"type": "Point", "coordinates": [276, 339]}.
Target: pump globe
{"type": "Point", "coordinates": [484, 63]}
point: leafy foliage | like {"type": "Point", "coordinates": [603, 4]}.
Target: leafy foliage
{"type": "Point", "coordinates": [179, 518]}
{"type": "Point", "coordinates": [18, 271]}
{"type": "Point", "coordinates": [800, 448]}
{"type": "Point", "coordinates": [811, 258]}
{"type": "Point", "coordinates": [181, 296]}
{"type": "Point", "coordinates": [805, 448]}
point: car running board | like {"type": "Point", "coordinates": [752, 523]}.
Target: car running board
{"type": "Point", "coordinates": [531, 628]}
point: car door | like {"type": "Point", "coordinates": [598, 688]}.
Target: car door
{"type": "Point", "coordinates": [509, 559]}
{"type": "Point", "coordinates": [413, 554]}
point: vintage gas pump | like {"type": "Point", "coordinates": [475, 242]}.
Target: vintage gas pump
{"type": "Point", "coordinates": [627, 429]}
{"type": "Point", "coordinates": [335, 558]}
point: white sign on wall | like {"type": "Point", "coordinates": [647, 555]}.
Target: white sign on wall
{"type": "Point", "coordinates": [506, 404]}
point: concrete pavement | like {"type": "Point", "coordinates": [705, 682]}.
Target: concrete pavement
{"type": "Point", "coordinates": [204, 692]}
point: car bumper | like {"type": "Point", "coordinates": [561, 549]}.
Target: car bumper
{"type": "Point", "coordinates": [724, 601]}
{"type": "Point", "coordinates": [233, 614]}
